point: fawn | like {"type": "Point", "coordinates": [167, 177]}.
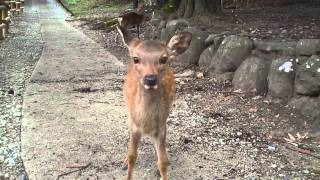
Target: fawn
{"type": "Point", "coordinates": [134, 18]}
{"type": "Point", "coordinates": [148, 91]}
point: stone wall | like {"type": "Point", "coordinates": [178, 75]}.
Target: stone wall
{"type": "Point", "coordinates": [285, 71]}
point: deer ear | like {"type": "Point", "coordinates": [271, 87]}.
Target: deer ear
{"type": "Point", "coordinates": [126, 36]}
{"type": "Point", "coordinates": [179, 43]}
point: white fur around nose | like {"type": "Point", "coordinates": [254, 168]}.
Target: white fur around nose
{"type": "Point", "coordinates": [150, 87]}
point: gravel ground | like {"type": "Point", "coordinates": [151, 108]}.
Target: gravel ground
{"type": "Point", "coordinates": [18, 55]}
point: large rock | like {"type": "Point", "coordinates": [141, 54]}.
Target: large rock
{"type": "Point", "coordinates": [281, 78]}
{"type": "Point", "coordinates": [178, 24]}
{"type": "Point", "coordinates": [207, 56]}
{"type": "Point", "coordinates": [197, 46]}
{"type": "Point", "coordinates": [288, 48]}
{"type": "Point", "coordinates": [252, 75]}
{"type": "Point", "coordinates": [165, 34]}
{"type": "Point", "coordinates": [307, 106]}
{"type": "Point", "coordinates": [172, 27]}
{"type": "Point", "coordinates": [225, 77]}
{"type": "Point", "coordinates": [231, 53]}
{"type": "Point", "coordinates": [314, 131]}
{"type": "Point", "coordinates": [308, 47]}
{"type": "Point", "coordinates": [308, 77]}
{"type": "Point", "coordinates": [216, 39]}
{"type": "Point", "coordinates": [213, 41]}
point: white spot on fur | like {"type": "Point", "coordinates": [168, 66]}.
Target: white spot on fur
{"type": "Point", "coordinates": [318, 70]}
{"type": "Point", "coordinates": [286, 67]}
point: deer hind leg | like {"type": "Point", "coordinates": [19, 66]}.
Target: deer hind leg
{"type": "Point", "coordinates": [162, 156]}
{"type": "Point", "coordinates": [132, 152]}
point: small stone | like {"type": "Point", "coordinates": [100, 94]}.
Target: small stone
{"type": "Point", "coordinates": [273, 166]}
{"type": "Point", "coordinates": [11, 92]}
{"type": "Point", "coordinates": [272, 147]}
{"type": "Point", "coordinates": [221, 141]}
{"type": "Point", "coordinates": [306, 171]}
{"type": "Point", "coordinates": [1, 159]}
{"type": "Point", "coordinates": [257, 98]}
{"type": "Point", "coordinates": [22, 177]}
{"type": "Point", "coordinates": [200, 75]}
{"type": "Point", "coordinates": [187, 73]}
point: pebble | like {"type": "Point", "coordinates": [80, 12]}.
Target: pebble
{"type": "Point", "coordinates": [239, 133]}
{"type": "Point", "coordinates": [2, 159]}
{"type": "Point", "coordinates": [273, 166]}
{"type": "Point", "coordinates": [306, 171]}
{"type": "Point", "coordinates": [272, 147]}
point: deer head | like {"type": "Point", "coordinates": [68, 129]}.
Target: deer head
{"type": "Point", "coordinates": [149, 58]}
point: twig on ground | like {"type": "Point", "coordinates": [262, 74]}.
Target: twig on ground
{"type": "Point", "coordinates": [81, 167]}
{"type": "Point", "coordinates": [75, 165]}
{"type": "Point", "coordinates": [300, 150]}
{"type": "Point", "coordinates": [234, 92]}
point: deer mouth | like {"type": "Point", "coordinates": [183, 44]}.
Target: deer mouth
{"type": "Point", "coordinates": [147, 87]}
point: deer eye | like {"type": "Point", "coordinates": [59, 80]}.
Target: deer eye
{"type": "Point", "coordinates": [163, 60]}
{"type": "Point", "coordinates": [136, 60]}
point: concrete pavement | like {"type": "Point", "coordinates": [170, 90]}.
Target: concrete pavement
{"type": "Point", "coordinates": [72, 103]}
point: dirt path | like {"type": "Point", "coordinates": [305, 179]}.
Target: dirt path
{"type": "Point", "coordinates": [73, 114]}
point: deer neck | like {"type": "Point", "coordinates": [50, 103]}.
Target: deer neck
{"type": "Point", "coordinates": [149, 96]}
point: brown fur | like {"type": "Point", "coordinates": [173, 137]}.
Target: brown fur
{"type": "Point", "coordinates": [148, 109]}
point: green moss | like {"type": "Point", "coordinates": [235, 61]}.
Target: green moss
{"type": "Point", "coordinates": [169, 7]}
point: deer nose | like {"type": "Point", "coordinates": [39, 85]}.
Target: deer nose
{"type": "Point", "coordinates": [150, 80]}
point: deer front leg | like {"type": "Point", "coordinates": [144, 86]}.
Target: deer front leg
{"type": "Point", "coordinates": [138, 31]}
{"type": "Point", "coordinates": [132, 152]}
{"type": "Point", "coordinates": [162, 155]}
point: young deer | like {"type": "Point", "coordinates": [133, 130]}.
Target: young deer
{"type": "Point", "coordinates": [134, 18]}
{"type": "Point", "coordinates": [148, 91]}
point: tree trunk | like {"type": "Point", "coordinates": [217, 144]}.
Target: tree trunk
{"type": "Point", "coordinates": [200, 8]}
{"type": "Point", "coordinates": [189, 8]}
{"type": "Point", "coordinates": [135, 4]}
{"type": "Point", "coordinates": [214, 6]}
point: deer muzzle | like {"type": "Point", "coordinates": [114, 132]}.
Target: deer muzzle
{"type": "Point", "coordinates": [150, 82]}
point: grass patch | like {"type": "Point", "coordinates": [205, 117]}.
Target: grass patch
{"type": "Point", "coordinates": [85, 7]}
